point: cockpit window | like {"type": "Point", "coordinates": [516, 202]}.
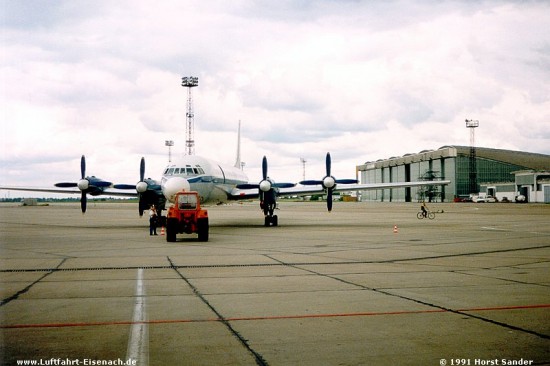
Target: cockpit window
{"type": "Point", "coordinates": [187, 170]}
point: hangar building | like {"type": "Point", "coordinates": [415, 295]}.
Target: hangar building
{"type": "Point", "coordinates": [500, 173]}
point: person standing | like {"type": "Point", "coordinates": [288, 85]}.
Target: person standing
{"type": "Point", "coordinates": [152, 220]}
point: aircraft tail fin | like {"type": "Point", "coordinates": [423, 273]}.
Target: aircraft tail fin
{"type": "Point", "coordinates": [238, 161]}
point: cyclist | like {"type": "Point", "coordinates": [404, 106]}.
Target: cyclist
{"type": "Point", "coordinates": [424, 209]}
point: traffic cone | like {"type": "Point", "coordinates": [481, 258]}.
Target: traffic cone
{"type": "Point", "coordinates": [395, 230]}
{"type": "Point", "coordinates": [162, 231]}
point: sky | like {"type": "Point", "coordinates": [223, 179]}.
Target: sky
{"type": "Point", "coordinates": [365, 80]}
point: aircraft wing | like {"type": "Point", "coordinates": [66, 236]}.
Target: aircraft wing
{"type": "Point", "coordinates": [240, 194]}
{"type": "Point", "coordinates": [104, 192]}
{"type": "Point", "coordinates": [362, 187]}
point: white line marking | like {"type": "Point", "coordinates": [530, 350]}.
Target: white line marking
{"type": "Point", "coordinates": [138, 343]}
{"type": "Point", "coordinates": [493, 228]}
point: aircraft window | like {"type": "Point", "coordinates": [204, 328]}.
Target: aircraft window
{"type": "Point", "coordinates": [187, 202]}
{"type": "Point", "coordinates": [200, 170]}
{"type": "Point", "coordinates": [179, 171]}
{"type": "Point", "coordinates": [170, 171]}
{"type": "Point", "coordinates": [166, 171]}
{"type": "Point", "coordinates": [195, 170]}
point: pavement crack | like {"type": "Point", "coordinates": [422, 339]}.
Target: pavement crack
{"type": "Point", "coordinates": [443, 308]}
{"type": "Point", "coordinates": [258, 358]}
{"type": "Point", "coordinates": [26, 289]}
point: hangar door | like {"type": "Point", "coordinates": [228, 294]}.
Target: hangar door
{"type": "Point", "coordinates": [546, 194]}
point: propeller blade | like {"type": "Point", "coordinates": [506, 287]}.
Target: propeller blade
{"type": "Point", "coordinates": [83, 201]}
{"type": "Point", "coordinates": [142, 169]}
{"type": "Point", "coordinates": [264, 168]}
{"type": "Point", "coordinates": [328, 164]}
{"type": "Point", "coordinates": [142, 206]}
{"type": "Point", "coordinates": [329, 200]}
{"type": "Point", "coordinates": [248, 186]}
{"type": "Point", "coordinates": [347, 181]}
{"type": "Point", "coordinates": [311, 182]}
{"type": "Point", "coordinates": [66, 185]}
{"type": "Point", "coordinates": [83, 167]}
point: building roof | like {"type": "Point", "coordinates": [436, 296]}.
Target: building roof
{"type": "Point", "coordinates": [520, 158]}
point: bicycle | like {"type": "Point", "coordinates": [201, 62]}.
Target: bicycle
{"type": "Point", "coordinates": [429, 214]}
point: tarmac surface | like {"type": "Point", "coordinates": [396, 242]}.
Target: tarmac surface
{"type": "Point", "coordinates": [471, 287]}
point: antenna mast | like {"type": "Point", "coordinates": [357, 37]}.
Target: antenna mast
{"type": "Point", "coordinates": [190, 82]}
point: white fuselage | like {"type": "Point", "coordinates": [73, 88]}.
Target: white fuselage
{"type": "Point", "coordinates": [194, 173]}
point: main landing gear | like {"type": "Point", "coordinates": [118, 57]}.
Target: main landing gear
{"type": "Point", "coordinates": [270, 219]}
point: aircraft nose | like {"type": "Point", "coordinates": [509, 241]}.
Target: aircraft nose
{"type": "Point", "coordinates": [173, 186]}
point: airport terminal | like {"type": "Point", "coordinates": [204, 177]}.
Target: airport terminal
{"type": "Point", "coordinates": [502, 174]}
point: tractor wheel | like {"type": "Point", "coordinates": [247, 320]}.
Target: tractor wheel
{"type": "Point", "coordinates": [171, 229]}
{"type": "Point", "coordinates": [202, 225]}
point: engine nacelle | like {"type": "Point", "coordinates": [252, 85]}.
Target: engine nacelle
{"type": "Point", "coordinates": [174, 185]}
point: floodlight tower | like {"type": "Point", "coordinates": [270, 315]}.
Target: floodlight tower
{"type": "Point", "coordinates": [169, 143]}
{"type": "Point", "coordinates": [303, 161]}
{"type": "Point", "coordinates": [190, 82]}
{"type": "Point", "coordinates": [472, 183]}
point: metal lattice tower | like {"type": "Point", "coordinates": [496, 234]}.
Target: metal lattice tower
{"type": "Point", "coordinates": [472, 182]}
{"type": "Point", "coordinates": [190, 82]}
{"type": "Point", "coordinates": [169, 143]}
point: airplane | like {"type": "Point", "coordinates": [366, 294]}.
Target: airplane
{"type": "Point", "coordinates": [216, 184]}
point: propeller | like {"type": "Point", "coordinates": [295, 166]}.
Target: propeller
{"type": "Point", "coordinates": [266, 184]}
{"type": "Point", "coordinates": [141, 187]}
{"type": "Point", "coordinates": [328, 182]}
{"type": "Point", "coordinates": [86, 184]}
{"type": "Point", "coordinates": [267, 192]}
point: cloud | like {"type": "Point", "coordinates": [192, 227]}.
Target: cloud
{"type": "Point", "coordinates": [364, 80]}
